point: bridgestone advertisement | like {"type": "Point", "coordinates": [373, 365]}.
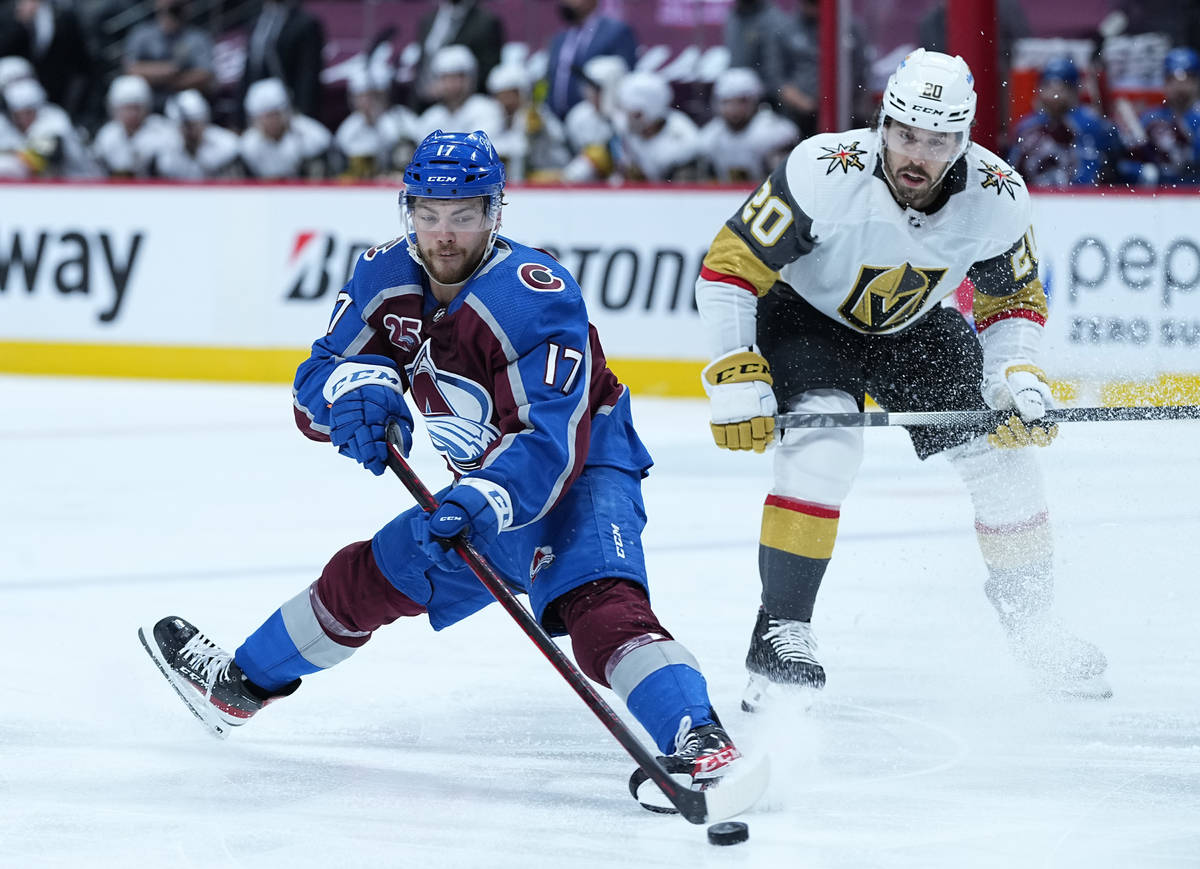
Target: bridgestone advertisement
{"type": "Point", "coordinates": [259, 268]}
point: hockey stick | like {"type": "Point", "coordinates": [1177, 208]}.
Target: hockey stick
{"type": "Point", "coordinates": [982, 418]}
{"type": "Point", "coordinates": [696, 806]}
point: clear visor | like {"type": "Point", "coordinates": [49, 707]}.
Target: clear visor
{"type": "Point", "coordinates": [449, 215]}
{"type": "Point", "coordinates": [918, 144]}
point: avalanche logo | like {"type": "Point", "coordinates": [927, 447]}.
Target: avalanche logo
{"type": "Point", "coordinates": [539, 278]}
{"type": "Point", "coordinates": [457, 411]}
{"type": "Point", "coordinates": [543, 557]}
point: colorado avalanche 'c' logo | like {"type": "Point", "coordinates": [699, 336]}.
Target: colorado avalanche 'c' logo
{"type": "Point", "coordinates": [539, 277]}
{"type": "Point", "coordinates": [457, 411]}
{"type": "Point", "coordinates": [543, 557]}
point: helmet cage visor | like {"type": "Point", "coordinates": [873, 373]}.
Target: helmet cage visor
{"type": "Point", "coordinates": [923, 145]}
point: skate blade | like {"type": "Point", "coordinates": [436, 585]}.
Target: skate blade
{"type": "Point", "coordinates": [761, 694]}
{"type": "Point", "coordinates": [213, 724]}
{"type": "Point", "coordinates": [730, 795]}
{"type": "Point", "coordinates": [736, 793]}
{"type": "Point", "coordinates": [1092, 688]}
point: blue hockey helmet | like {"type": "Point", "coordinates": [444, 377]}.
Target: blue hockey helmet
{"type": "Point", "coordinates": [1181, 62]}
{"type": "Point", "coordinates": [455, 166]}
{"type": "Point", "coordinates": [1060, 69]}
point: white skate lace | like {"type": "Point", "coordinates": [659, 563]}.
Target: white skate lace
{"type": "Point", "coordinates": [206, 657]}
{"type": "Point", "coordinates": [792, 640]}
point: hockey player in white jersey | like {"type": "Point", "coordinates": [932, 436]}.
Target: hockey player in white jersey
{"type": "Point", "coordinates": [199, 150]}
{"type": "Point", "coordinates": [376, 138]}
{"type": "Point", "coordinates": [746, 139]}
{"type": "Point", "coordinates": [40, 136]}
{"type": "Point", "coordinates": [281, 143]}
{"type": "Point", "coordinates": [655, 141]}
{"type": "Point", "coordinates": [826, 286]}
{"type": "Point", "coordinates": [127, 145]}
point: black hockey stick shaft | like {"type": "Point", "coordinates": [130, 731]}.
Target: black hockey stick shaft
{"type": "Point", "coordinates": [691, 804]}
{"type": "Point", "coordinates": [982, 418]}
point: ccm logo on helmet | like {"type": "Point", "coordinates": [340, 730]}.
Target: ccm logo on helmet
{"type": "Point", "coordinates": [441, 178]}
{"type": "Point", "coordinates": [919, 108]}
{"type": "Point", "coordinates": [538, 277]}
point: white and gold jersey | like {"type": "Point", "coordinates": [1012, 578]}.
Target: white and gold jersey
{"type": "Point", "coordinates": [826, 225]}
{"type": "Point", "coordinates": [656, 158]}
{"type": "Point", "coordinates": [751, 152]}
{"type": "Point", "coordinates": [305, 140]}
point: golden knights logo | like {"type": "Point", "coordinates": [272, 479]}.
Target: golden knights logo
{"type": "Point", "coordinates": [885, 297]}
{"type": "Point", "coordinates": [843, 157]}
{"type": "Point", "coordinates": [1000, 177]}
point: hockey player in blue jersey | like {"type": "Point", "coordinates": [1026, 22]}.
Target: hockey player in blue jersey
{"type": "Point", "coordinates": [1173, 129]}
{"type": "Point", "coordinates": [491, 340]}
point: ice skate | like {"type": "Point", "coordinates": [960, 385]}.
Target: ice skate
{"type": "Point", "coordinates": [205, 676]}
{"type": "Point", "coordinates": [1061, 663]}
{"type": "Point", "coordinates": [702, 757]}
{"type": "Point", "coordinates": [783, 653]}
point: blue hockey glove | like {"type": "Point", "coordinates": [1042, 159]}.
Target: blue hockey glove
{"type": "Point", "coordinates": [475, 511]}
{"type": "Point", "coordinates": [365, 393]}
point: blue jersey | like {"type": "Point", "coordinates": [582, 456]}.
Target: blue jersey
{"type": "Point", "coordinates": [1173, 142]}
{"type": "Point", "coordinates": [509, 376]}
{"type": "Point", "coordinates": [1082, 148]}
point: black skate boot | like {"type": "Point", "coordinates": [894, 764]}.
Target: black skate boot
{"type": "Point", "coordinates": [205, 675]}
{"type": "Point", "coordinates": [782, 652]}
{"type": "Point", "coordinates": [702, 757]}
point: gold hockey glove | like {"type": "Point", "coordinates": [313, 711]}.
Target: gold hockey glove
{"type": "Point", "coordinates": [741, 401]}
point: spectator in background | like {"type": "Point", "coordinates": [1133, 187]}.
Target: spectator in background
{"type": "Point", "coordinates": [531, 140]}
{"type": "Point", "coordinates": [1011, 25]}
{"type": "Point", "coordinates": [47, 143]}
{"type": "Point", "coordinates": [746, 139]}
{"type": "Point", "coordinates": [127, 146]}
{"type": "Point", "coordinates": [281, 143]}
{"type": "Point", "coordinates": [458, 107]}
{"type": "Point", "coordinates": [656, 142]}
{"type": "Point", "coordinates": [591, 123]}
{"type": "Point", "coordinates": [199, 150]}
{"type": "Point", "coordinates": [286, 43]}
{"type": "Point", "coordinates": [52, 40]}
{"type": "Point", "coordinates": [457, 22]}
{"type": "Point", "coordinates": [1179, 19]}
{"type": "Point", "coordinates": [799, 88]}
{"type": "Point", "coordinates": [588, 34]}
{"type": "Point", "coordinates": [169, 54]}
{"type": "Point", "coordinates": [1172, 130]}
{"type": "Point", "coordinates": [377, 137]}
{"type": "Point", "coordinates": [755, 33]}
{"type": "Point", "coordinates": [1064, 144]}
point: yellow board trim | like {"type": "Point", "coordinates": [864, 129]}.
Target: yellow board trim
{"type": "Point", "coordinates": [672, 378]}
{"type": "Point", "coordinates": [152, 361]}
{"type": "Point", "coordinates": [798, 533]}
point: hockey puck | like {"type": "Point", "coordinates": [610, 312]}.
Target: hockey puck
{"type": "Point", "coordinates": [728, 833]}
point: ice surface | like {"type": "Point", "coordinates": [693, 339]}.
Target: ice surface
{"type": "Point", "coordinates": [124, 502]}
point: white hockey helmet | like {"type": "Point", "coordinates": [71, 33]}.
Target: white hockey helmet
{"type": "Point", "coordinates": [129, 90]}
{"type": "Point", "coordinates": [931, 90]}
{"type": "Point", "coordinates": [13, 68]}
{"type": "Point", "coordinates": [24, 93]}
{"type": "Point", "coordinates": [646, 93]}
{"type": "Point", "coordinates": [266, 95]}
{"type": "Point", "coordinates": [452, 60]}
{"type": "Point", "coordinates": [738, 81]}
{"type": "Point", "coordinates": [188, 106]}
{"type": "Point", "coordinates": [604, 73]}
{"type": "Point", "coordinates": [508, 77]}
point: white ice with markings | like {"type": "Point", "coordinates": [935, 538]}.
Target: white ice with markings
{"type": "Point", "coordinates": [124, 502]}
